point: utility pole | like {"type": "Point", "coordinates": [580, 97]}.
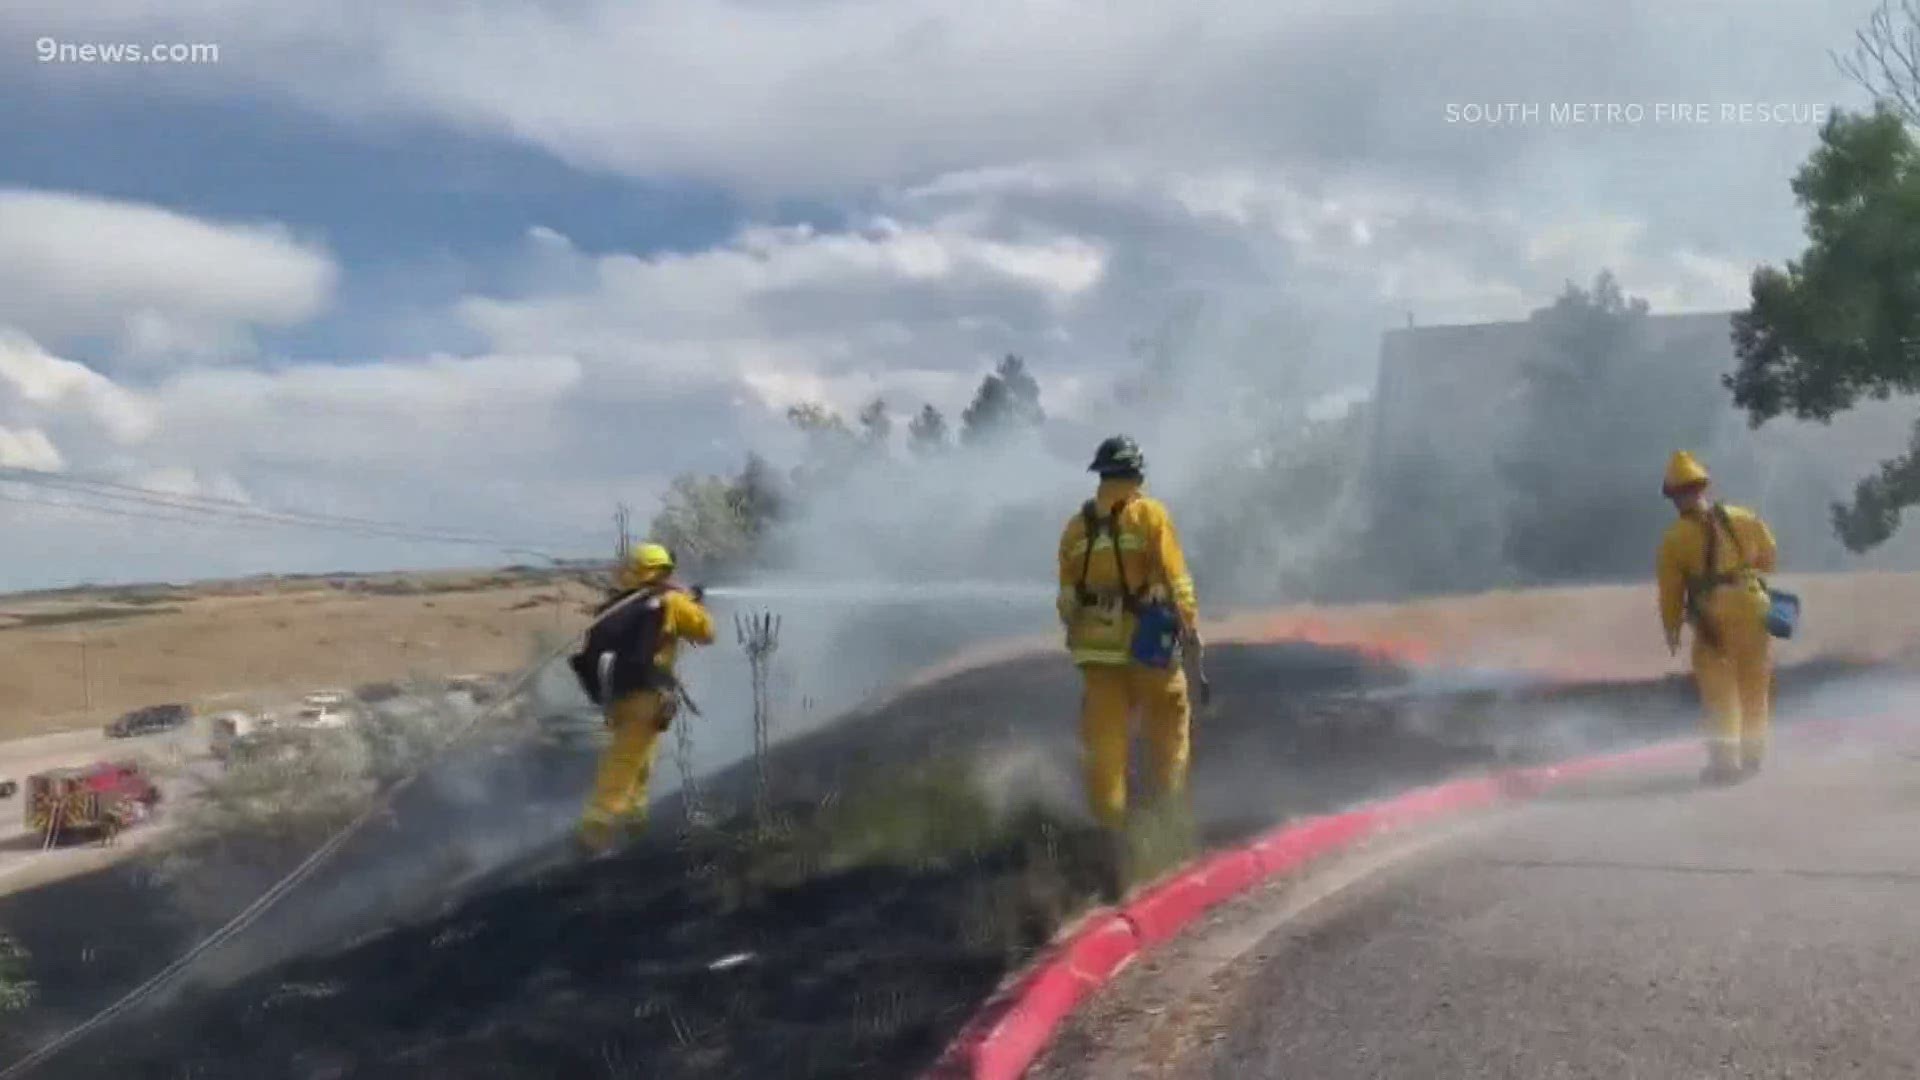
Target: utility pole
{"type": "Point", "coordinates": [86, 683]}
{"type": "Point", "coordinates": [622, 541]}
{"type": "Point", "coordinates": [623, 526]}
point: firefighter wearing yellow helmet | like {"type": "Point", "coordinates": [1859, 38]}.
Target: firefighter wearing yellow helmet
{"type": "Point", "coordinates": [1127, 603]}
{"type": "Point", "coordinates": [627, 667]}
{"type": "Point", "coordinates": [1709, 568]}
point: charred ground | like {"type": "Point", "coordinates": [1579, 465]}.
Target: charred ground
{"type": "Point", "coordinates": [921, 849]}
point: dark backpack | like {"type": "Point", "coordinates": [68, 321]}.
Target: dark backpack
{"type": "Point", "coordinates": [629, 627]}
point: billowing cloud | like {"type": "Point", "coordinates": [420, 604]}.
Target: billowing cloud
{"type": "Point", "coordinates": [158, 284]}
{"type": "Point", "coordinates": [49, 392]}
{"type": "Point", "coordinates": [843, 93]}
{"type": "Point", "coordinates": [1049, 179]}
{"type": "Point", "coordinates": [782, 311]}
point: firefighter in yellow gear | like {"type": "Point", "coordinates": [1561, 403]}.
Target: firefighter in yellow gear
{"type": "Point", "coordinates": [640, 691]}
{"type": "Point", "coordinates": [1709, 568]}
{"type": "Point", "coordinates": [1100, 598]}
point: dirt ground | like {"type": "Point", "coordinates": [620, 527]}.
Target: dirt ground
{"type": "Point", "coordinates": [77, 660]}
{"type": "Point", "coordinates": [1600, 632]}
{"type": "Point", "coordinates": [724, 968]}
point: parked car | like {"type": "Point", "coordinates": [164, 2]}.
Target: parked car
{"type": "Point", "coordinates": [8, 788]}
{"type": "Point", "coordinates": [374, 693]}
{"type": "Point", "coordinates": [481, 689]}
{"type": "Point", "coordinates": [227, 729]}
{"type": "Point", "coordinates": [149, 720]}
{"type": "Point", "coordinates": [323, 709]}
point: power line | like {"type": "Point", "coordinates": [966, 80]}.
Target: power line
{"type": "Point", "coordinates": [192, 515]}
{"type": "Point", "coordinates": [115, 511]}
{"type": "Point", "coordinates": [226, 511]}
{"type": "Point", "coordinates": [234, 509]}
{"type": "Point", "coordinates": [210, 502]}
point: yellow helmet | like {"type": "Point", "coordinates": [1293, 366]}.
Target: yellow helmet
{"type": "Point", "coordinates": [645, 563]}
{"type": "Point", "coordinates": [1682, 472]}
{"type": "Point", "coordinates": [651, 557]}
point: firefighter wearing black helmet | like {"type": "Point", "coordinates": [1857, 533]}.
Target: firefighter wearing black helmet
{"type": "Point", "coordinates": [1128, 605]}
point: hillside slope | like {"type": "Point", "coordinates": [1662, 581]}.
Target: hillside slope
{"type": "Point", "coordinates": [933, 843]}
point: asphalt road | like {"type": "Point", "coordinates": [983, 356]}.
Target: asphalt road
{"type": "Point", "coordinates": [175, 755]}
{"type": "Point", "coordinates": [1630, 928]}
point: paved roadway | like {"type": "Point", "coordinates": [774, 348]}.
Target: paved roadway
{"type": "Point", "coordinates": [175, 755]}
{"type": "Point", "coordinates": [1640, 927]}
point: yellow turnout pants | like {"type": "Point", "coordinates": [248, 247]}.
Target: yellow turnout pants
{"type": "Point", "coordinates": [1112, 693]}
{"type": "Point", "coordinates": [1736, 679]}
{"type": "Point", "coordinates": [619, 796]}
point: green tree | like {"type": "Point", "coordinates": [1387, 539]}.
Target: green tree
{"type": "Point", "coordinates": [927, 432]}
{"type": "Point", "coordinates": [1842, 322]}
{"type": "Point", "coordinates": [1601, 402]}
{"type": "Point", "coordinates": [876, 427]}
{"type": "Point", "coordinates": [702, 523]}
{"type": "Point", "coordinates": [819, 423]}
{"type": "Point", "coordinates": [716, 524]}
{"type": "Point", "coordinates": [760, 497]}
{"type": "Point", "coordinates": [832, 447]}
{"type": "Point", "coordinates": [1007, 399]}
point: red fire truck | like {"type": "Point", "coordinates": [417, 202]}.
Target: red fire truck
{"type": "Point", "coordinates": [95, 800]}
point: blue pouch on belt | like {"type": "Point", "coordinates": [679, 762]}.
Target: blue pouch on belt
{"type": "Point", "coordinates": [1156, 635]}
{"type": "Point", "coordinates": [1783, 613]}
{"type": "Point", "coordinates": [1783, 608]}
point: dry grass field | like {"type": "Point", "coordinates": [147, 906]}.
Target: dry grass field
{"type": "Point", "coordinates": [241, 644]}
{"type": "Point", "coordinates": [81, 658]}
{"type": "Point", "coordinates": [1589, 633]}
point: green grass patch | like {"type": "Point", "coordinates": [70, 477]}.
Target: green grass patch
{"type": "Point", "coordinates": [16, 990]}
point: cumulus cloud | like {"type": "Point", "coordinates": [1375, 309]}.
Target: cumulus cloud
{"type": "Point", "coordinates": [498, 446]}
{"type": "Point", "coordinates": [29, 449]}
{"type": "Point", "coordinates": [39, 388]}
{"type": "Point", "coordinates": [839, 93]}
{"type": "Point", "coordinates": [1050, 179]}
{"type": "Point", "coordinates": [158, 283]}
{"type": "Point", "coordinates": [802, 313]}
{"type": "Point", "coordinates": [1321, 134]}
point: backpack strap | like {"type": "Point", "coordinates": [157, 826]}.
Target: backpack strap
{"type": "Point", "coordinates": [1128, 601]}
{"type": "Point", "coordinates": [1094, 524]}
{"type": "Point", "coordinates": [1710, 575]}
{"type": "Point", "coordinates": [1726, 522]}
{"type": "Point", "coordinates": [1089, 519]}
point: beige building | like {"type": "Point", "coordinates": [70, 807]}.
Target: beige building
{"type": "Point", "coordinates": [1448, 397]}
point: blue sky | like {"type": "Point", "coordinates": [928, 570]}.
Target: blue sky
{"type": "Point", "coordinates": [420, 214]}
{"type": "Point", "coordinates": [502, 264]}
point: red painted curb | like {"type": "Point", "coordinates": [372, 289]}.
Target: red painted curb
{"type": "Point", "coordinates": [1169, 907]}
{"type": "Point", "coordinates": [1290, 845]}
{"type": "Point", "coordinates": [1007, 1033]}
{"type": "Point", "coordinates": [1013, 1028]}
